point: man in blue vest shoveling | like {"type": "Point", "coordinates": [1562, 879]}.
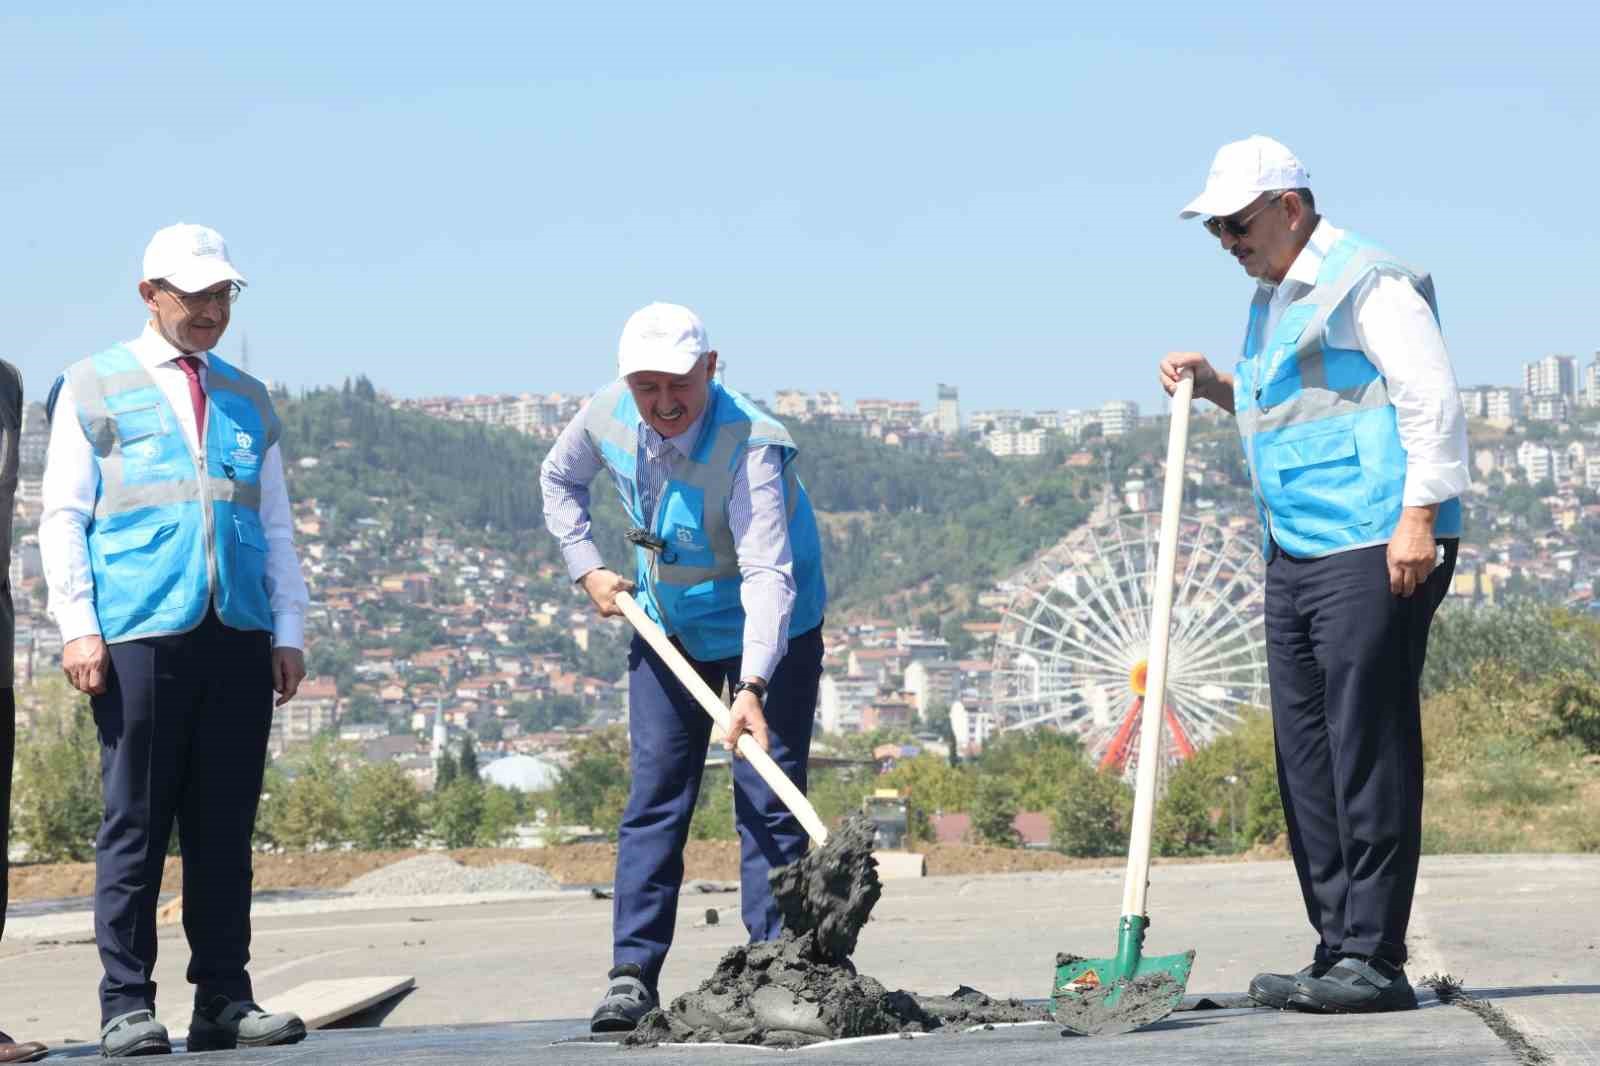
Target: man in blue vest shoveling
{"type": "Point", "coordinates": [168, 551]}
{"type": "Point", "coordinates": [1356, 442]}
{"type": "Point", "coordinates": [728, 561]}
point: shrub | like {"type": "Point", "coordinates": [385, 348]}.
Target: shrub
{"type": "Point", "coordinates": [385, 808]}
{"type": "Point", "coordinates": [56, 805]}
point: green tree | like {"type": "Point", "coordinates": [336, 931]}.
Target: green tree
{"type": "Point", "coordinates": [502, 811]}
{"type": "Point", "coordinates": [445, 771]}
{"type": "Point", "coordinates": [467, 765]}
{"type": "Point", "coordinates": [456, 813]}
{"type": "Point", "coordinates": [931, 784]}
{"type": "Point", "coordinates": [994, 811]}
{"type": "Point", "coordinates": [309, 809]}
{"type": "Point", "coordinates": [1183, 823]}
{"type": "Point", "coordinates": [1093, 815]}
{"type": "Point", "coordinates": [363, 707]}
{"type": "Point", "coordinates": [56, 805]}
{"type": "Point", "coordinates": [385, 808]}
{"type": "Point", "coordinates": [1036, 763]}
{"type": "Point", "coordinates": [593, 789]}
{"type": "Point", "coordinates": [713, 811]}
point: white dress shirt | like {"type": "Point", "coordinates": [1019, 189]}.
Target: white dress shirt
{"type": "Point", "coordinates": [1389, 321]}
{"type": "Point", "coordinates": [757, 518]}
{"type": "Point", "coordinates": [72, 482]}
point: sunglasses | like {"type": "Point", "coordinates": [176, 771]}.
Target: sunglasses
{"type": "Point", "coordinates": [1238, 227]}
{"type": "Point", "coordinates": [194, 301]}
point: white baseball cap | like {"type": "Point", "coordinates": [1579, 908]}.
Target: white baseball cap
{"type": "Point", "coordinates": [1242, 171]}
{"type": "Point", "coordinates": [189, 258]}
{"type": "Point", "coordinates": [667, 338]}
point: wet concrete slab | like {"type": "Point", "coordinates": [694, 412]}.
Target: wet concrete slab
{"type": "Point", "coordinates": [1435, 1036]}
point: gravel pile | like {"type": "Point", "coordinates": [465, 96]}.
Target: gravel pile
{"type": "Point", "coordinates": [437, 875]}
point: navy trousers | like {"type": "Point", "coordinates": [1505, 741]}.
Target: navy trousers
{"type": "Point", "coordinates": [183, 735]}
{"type": "Point", "coordinates": [1344, 659]}
{"type": "Point", "coordinates": [8, 744]}
{"type": "Point", "coordinates": [668, 734]}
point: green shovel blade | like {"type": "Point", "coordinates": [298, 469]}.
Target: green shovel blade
{"type": "Point", "coordinates": [1105, 996]}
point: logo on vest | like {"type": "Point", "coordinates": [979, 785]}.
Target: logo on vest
{"type": "Point", "coordinates": [244, 455]}
{"type": "Point", "coordinates": [686, 536]}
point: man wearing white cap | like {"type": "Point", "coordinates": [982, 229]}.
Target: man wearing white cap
{"type": "Point", "coordinates": [1356, 441]}
{"type": "Point", "coordinates": [169, 556]}
{"type": "Point", "coordinates": [728, 561]}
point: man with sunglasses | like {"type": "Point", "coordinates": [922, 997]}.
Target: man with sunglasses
{"type": "Point", "coordinates": [1356, 441]}
{"type": "Point", "coordinates": [169, 555]}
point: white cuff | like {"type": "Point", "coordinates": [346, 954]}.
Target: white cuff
{"type": "Point", "coordinates": [288, 630]}
{"type": "Point", "coordinates": [1431, 483]}
{"type": "Point", "coordinates": [78, 619]}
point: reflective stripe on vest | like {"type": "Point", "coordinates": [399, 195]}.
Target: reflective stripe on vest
{"type": "Point", "coordinates": [691, 587]}
{"type": "Point", "coordinates": [1320, 436]}
{"type": "Point", "coordinates": [166, 543]}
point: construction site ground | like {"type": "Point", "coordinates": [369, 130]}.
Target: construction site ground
{"type": "Point", "coordinates": [501, 980]}
{"type": "Point", "coordinates": [571, 864]}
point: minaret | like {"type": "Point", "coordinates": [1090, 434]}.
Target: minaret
{"type": "Point", "coordinates": [440, 734]}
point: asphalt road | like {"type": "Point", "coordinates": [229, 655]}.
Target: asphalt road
{"type": "Point", "coordinates": [509, 980]}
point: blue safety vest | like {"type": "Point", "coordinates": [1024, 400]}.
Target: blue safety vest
{"type": "Point", "coordinates": [165, 542]}
{"type": "Point", "coordinates": [691, 585]}
{"type": "Point", "coordinates": [1326, 462]}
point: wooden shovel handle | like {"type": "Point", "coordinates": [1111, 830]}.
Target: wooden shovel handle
{"type": "Point", "coordinates": [1155, 698]}
{"type": "Point", "coordinates": [770, 771]}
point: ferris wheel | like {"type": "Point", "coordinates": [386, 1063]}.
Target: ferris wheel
{"type": "Point", "coordinates": [1071, 650]}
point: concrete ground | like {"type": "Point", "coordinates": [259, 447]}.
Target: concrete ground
{"type": "Point", "coordinates": [1521, 932]}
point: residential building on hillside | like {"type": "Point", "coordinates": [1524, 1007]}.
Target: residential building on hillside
{"type": "Point", "coordinates": [1118, 417]}
{"type": "Point", "coordinates": [972, 725]}
{"type": "Point", "coordinates": [793, 403]}
{"type": "Point", "coordinates": [1548, 408]}
{"type": "Point", "coordinates": [1554, 375]}
{"type": "Point", "coordinates": [1536, 461]}
{"type": "Point", "coordinates": [1502, 402]}
{"type": "Point", "coordinates": [933, 683]}
{"type": "Point", "coordinates": [841, 701]}
{"type": "Point", "coordinates": [1589, 394]}
{"type": "Point", "coordinates": [947, 412]}
{"type": "Point", "coordinates": [1007, 420]}
{"type": "Point", "coordinates": [1021, 442]}
{"type": "Point", "coordinates": [314, 710]}
{"type": "Point", "coordinates": [892, 713]}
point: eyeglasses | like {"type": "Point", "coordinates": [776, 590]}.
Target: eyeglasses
{"type": "Point", "coordinates": [196, 300]}
{"type": "Point", "coordinates": [1238, 227]}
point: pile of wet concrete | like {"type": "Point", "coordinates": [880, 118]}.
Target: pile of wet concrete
{"type": "Point", "coordinates": [802, 988]}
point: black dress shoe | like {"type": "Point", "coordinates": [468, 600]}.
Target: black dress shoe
{"type": "Point", "coordinates": [1274, 989]}
{"type": "Point", "coordinates": [627, 1000]}
{"type": "Point", "coordinates": [1355, 986]}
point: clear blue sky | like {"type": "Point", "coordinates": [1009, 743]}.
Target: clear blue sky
{"type": "Point", "coordinates": [873, 197]}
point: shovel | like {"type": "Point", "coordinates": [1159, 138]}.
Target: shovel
{"type": "Point", "coordinates": [770, 771]}
{"type": "Point", "coordinates": [1106, 996]}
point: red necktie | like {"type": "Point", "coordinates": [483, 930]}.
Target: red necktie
{"type": "Point", "coordinates": [197, 396]}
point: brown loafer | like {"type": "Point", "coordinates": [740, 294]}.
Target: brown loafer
{"type": "Point", "coordinates": [11, 1051]}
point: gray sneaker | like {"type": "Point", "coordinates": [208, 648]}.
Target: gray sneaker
{"type": "Point", "coordinates": [225, 1024]}
{"type": "Point", "coordinates": [625, 1002]}
{"type": "Point", "coordinates": [134, 1033]}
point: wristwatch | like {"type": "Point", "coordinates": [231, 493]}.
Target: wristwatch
{"type": "Point", "coordinates": [758, 687]}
